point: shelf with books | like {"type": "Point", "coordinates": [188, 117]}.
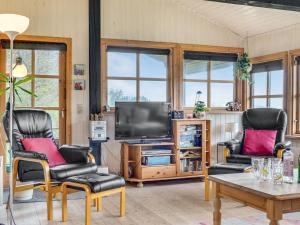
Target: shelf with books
{"type": "Point", "coordinates": [187, 158]}
{"type": "Point", "coordinates": [192, 141]}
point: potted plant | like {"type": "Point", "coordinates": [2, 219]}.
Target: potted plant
{"type": "Point", "coordinates": [200, 110]}
{"type": "Point", "coordinates": [243, 67]}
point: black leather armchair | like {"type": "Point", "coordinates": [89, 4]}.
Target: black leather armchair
{"type": "Point", "coordinates": [33, 166]}
{"type": "Point", "coordinates": [259, 119]}
{"type": "Point", "coordinates": [235, 160]}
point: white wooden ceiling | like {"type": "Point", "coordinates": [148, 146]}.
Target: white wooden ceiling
{"type": "Point", "coordinates": [242, 20]}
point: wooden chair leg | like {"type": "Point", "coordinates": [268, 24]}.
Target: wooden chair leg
{"type": "Point", "coordinates": [49, 203]}
{"type": "Point", "coordinates": [207, 189]}
{"type": "Point", "coordinates": [64, 203]}
{"type": "Point", "coordinates": [99, 204]}
{"type": "Point", "coordinates": [122, 202]}
{"type": "Point", "coordinates": [88, 209]}
{"type": "Point", "coordinates": [95, 202]}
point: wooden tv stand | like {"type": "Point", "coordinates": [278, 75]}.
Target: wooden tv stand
{"type": "Point", "coordinates": [187, 161]}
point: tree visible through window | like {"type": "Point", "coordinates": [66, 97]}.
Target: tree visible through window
{"type": "Point", "coordinates": [136, 75]}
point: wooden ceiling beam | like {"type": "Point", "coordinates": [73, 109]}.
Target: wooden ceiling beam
{"type": "Point", "coordinates": [291, 5]}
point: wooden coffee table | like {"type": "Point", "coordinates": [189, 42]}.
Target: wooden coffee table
{"type": "Point", "coordinates": [274, 199]}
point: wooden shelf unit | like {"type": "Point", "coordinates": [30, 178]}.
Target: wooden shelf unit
{"type": "Point", "coordinates": [134, 171]}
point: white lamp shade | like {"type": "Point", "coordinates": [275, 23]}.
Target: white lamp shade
{"type": "Point", "coordinates": [13, 23]}
{"type": "Point", "coordinates": [19, 71]}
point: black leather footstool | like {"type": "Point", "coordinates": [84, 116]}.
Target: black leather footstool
{"type": "Point", "coordinates": [96, 186]}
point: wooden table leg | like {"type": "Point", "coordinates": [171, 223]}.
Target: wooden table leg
{"type": "Point", "coordinates": [274, 211]}
{"type": "Point", "coordinates": [217, 206]}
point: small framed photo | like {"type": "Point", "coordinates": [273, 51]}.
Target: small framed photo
{"type": "Point", "coordinates": [79, 85]}
{"type": "Point", "coordinates": [79, 69]}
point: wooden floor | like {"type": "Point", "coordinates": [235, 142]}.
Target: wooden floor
{"type": "Point", "coordinates": [164, 203]}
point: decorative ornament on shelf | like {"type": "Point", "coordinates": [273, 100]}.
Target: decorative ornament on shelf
{"type": "Point", "coordinates": [233, 106]}
{"type": "Point", "coordinates": [244, 67]}
{"type": "Point", "coordinates": [200, 107]}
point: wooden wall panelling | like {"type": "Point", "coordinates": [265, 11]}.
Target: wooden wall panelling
{"type": "Point", "coordinates": [218, 134]}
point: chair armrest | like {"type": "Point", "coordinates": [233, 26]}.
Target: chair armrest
{"type": "Point", "coordinates": [30, 155]}
{"type": "Point", "coordinates": [280, 148]}
{"type": "Point", "coordinates": [234, 146]}
{"type": "Point", "coordinates": [75, 153]}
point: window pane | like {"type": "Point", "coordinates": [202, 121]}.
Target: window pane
{"type": "Point", "coordinates": [259, 103]}
{"type": "Point", "coordinates": [276, 103]}
{"type": "Point", "coordinates": [277, 82]}
{"type": "Point", "coordinates": [47, 62]}
{"type": "Point", "coordinates": [222, 70]}
{"type": "Point", "coordinates": [195, 69]}
{"type": "Point", "coordinates": [153, 66]}
{"type": "Point", "coordinates": [153, 91]}
{"type": "Point", "coordinates": [121, 64]}
{"type": "Point", "coordinates": [121, 90]}
{"type": "Point", "coordinates": [221, 93]}
{"type": "Point", "coordinates": [47, 91]}
{"type": "Point", "coordinates": [190, 90]}
{"type": "Point", "coordinates": [259, 83]}
{"type": "Point", "coordinates": [54, 114]}
{"type": "Point", "coordinates": [25, 99]}
{"type": "Point", "coordinates": [26, 56]}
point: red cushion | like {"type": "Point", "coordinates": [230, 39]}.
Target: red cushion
{"type": "Point", "coordinates": [45, 146]}
{"type": "Point", "coordinates": [259, 142]}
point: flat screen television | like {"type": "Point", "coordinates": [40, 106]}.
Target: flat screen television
{"type": "Point", "coordinates": [142, 120]}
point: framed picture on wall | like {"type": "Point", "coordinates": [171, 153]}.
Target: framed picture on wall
{"type": "Point", "coordinates": [79, 69]}
{"type": "Point", "coordinates": [79, 85]}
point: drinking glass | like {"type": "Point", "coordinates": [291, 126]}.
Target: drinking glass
{"type": "Point", "coordinates": [277, 171]}
{"type": "Point", "coordinates": [256, 164]}
{"type": "Point", "coordinates": [266, 169]}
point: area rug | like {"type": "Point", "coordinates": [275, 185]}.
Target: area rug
{"type": "Point", "coordinates": [39, 196]}
{"type": "Point", "coordinates": [288, 219]}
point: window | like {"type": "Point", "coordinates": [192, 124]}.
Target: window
{"type": "Point", "coordinates": [267, 85]}
{"type": "Point", "coordinates": [211, 73]}
{"type": "Point", "coordinates": [45, 62]}
{"type": "Point", "coordinates": [296, 128]}
{"type": "Point", "coordinates": [135, 74]}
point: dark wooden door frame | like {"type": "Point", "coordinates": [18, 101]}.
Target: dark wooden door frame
{"type": "Point", "coordinates": [94, 56]}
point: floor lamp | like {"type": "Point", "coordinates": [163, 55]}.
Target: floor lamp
{"type": "Point", "coordinates": [12, 25]}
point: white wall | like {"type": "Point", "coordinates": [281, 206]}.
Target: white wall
{"type": "Point", "coordinates": [152, 20]}
{"type": "Point", "coordinates": [161, 20]}
{"type": "Point", "coordinates": [276, 41]}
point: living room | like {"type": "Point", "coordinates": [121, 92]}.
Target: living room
{"type": "Point", "coordinates": [163, 102]}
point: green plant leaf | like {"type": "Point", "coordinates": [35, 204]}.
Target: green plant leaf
{"type": "Point", "coordinates": [17, 93]}
{"type": "Point", "coordinates": [26, 79]}
{"type": "Point", "coordinates": [28, 92]}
